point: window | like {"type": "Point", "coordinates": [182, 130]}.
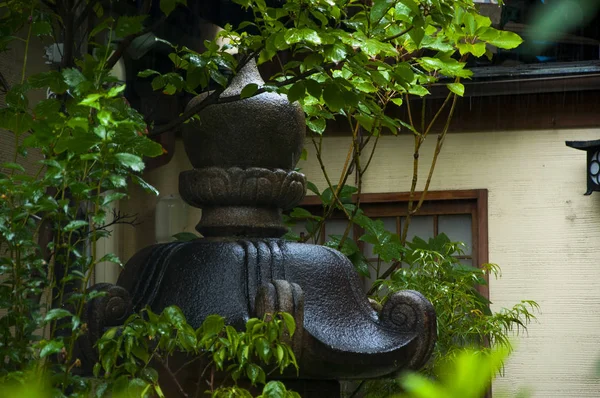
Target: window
{"type": "Point", "coordinates": [559, 37]}
{"type": "Point", "coordinates": [462, 215]}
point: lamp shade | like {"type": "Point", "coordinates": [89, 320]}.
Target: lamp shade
{"type": "Point", "coordinates": [592, 149]}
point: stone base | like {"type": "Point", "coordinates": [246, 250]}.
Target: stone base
{"type": "Point", "coordinates": [241, 221]}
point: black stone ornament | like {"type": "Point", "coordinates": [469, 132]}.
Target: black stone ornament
{"type": "Point", "coordinates": [244, 153]}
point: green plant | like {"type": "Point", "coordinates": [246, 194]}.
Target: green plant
{"type": "Point", "coordinates": [128, 354]}
{"type": "Point", "coordinates": [468, 375]}
{"type": "Point", "coordinates": [92, 144]}
{"type": "Point", "coordinates": [464, 316]}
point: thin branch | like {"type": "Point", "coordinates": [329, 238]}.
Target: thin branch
{"type": "Point", "coordinates": [438, 148]}
{"type": "Point", "coordinates": [430, 125]}
{"type": "Point", "coordinates": [371, 155]}
{"type": "Point", "coordinates": [180, 389]}
{"type": "Point", "coordinates": [4, 83]}
{"type": "Point", "coordinates": [359, 173]}
{"type": "Point", "coordinates": [405, 31]}
{"type": "Point", "coordinates": [86, 12]}
{"type": "Point", "coordinates": [410, 118]}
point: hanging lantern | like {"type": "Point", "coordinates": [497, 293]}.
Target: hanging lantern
{"type": "Point", "coordinates": [592, 149]}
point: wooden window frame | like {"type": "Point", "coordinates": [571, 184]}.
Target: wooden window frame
{"type": "Point", "coordinates": [437, 203]}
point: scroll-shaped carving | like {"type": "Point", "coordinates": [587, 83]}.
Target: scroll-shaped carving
{"type": "Point", "coordinates": [283, 296]}
{"type": "Point", "coordinates": [254, 186]}
{"type": "Point", "coordinates": [111, 309]}
{"type": "Point", "coordinates": [409, 311]}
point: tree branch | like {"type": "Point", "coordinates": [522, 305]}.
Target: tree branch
{"type": "Point", "coordinates": [438, 148]}
{"type": "Point", "coordinates": [405, 31]}
{"type": "Point", "coordinates": [86, 12]}
{"type": "Point", "coordinates": [163, 364]}
{"type": "Point", "coordinates": [4, 84]}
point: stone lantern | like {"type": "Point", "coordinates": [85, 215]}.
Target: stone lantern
{"type": "Point", "coordinates": [244, 153]}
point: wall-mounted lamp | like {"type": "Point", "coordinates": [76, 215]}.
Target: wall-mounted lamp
{"type": "Point", "coordinates": [592, 148]}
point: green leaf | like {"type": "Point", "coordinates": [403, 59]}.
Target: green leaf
{"type": "Point", "coordinates": [345, 194]}
{"type": "Point", "coordinates": [52, 80]}
{"type": "Point", "coordinates": [335, 52]}
{"type": "Point", "coordinates": [113, 197]}
{"type": "Point", "coordinates": [469, 21]}
{"type": "Point", "coordinates": [365, 120]}
{"type": "Point", "coordinates": [149, 374]}
{"type": "Point", "coordinates": [91, 100]}
{"type": "Point", "coordinates": [411, 5]}
{"type": "Point", "coordinates": [397, 101]}
{"type": "Point", "coordinates": [115, 91]}
{"type": "Point", "coordinates": [297, 91]}
{"type": "Point", "coordinates": [255, 373]}
{"type": "Point", "coordinates": [477, 49]}
{"type": "Point", "coordinates": [316, 125]}
{"type": "Point", "coordinates": [312, 187]}
{"type": "Point", "coordinates": [379, 9]}
{"type": "Point", "coordinates": [263, 349]}
{"type": "Point", "coordinates": [361, 265]}
{"type": "Point", "coordinates": [174, 315]}
{"type": "Point", "coordinates": [73, 77]}
{"type": "Point", "coordinates": [147, 187]}
{"type": "Point", "coordinates": [74, 225]}
{"type": "Point", "coordinates": [501, 39]}
{"type": "Point", "coordinates": [51, 347]}
{"type": "Point", "coordinates": [56, 313]}
{"type": "Point", "coordinates": [213, 324]}
{"type": "Point", "coordinates": [103, 25]}
{"type": "Point", "coordinates": [295, 35]}
{"type": "Point", "coordinates": [313, 87]}
{"type": "Point", "coordinates": [418, 90]}
{"type": "Point", "coordinates": [457, 88]}
{"type": "Point", "coordinates": [96, 372]}
{"type": "Point", "coordinates": [249, 90]}
{"type": "Point", "coordinates": [148, 73]}
{"type": "Point", "coordinates": [110, 257]}
{"type": "Point", "coordinates": [78, 122]}
{"type": "Point", "coordinates": [12, 166]}
{"type": "Point", "coordinates": [167, 6]}
{"type": "Point", "coordinates": [290, 323]}
{"type": "Point", "coordinates": [274, 389]}
{"type": "Point", "coordinates": [136, 387]}
{"type": "Point", "coordinates": [185, 236]}
{"type": "Point", "coordinates": [127, 25]}
{"type": "Point", "coordinates": [334, 97]}
{"type": "Point", "coordinates": [417, 34]}
{"type": "Point", "coordinates": [131, 161]}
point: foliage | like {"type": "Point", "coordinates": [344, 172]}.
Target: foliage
{"type": "Point", "coordinates": [128, 353]}
{"type": "Point", "coordinates": [463, 314]}
{"type": "Point", "coordinates": [92, 145]}
{"type": "Point", "coordinates": [468, 375]}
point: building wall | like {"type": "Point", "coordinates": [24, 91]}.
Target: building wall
{"type": "Point", "coordinates": [542, 231]}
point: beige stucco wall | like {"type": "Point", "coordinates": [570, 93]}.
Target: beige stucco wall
{"type": "Point", "coordinates": [542, 231]}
